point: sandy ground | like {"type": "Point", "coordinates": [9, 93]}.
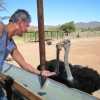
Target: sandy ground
{"type": "Point", "coordinates": [85, 52]}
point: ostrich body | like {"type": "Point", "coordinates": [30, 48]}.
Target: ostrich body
{"type": "Point", "coordinates": [74, 76]}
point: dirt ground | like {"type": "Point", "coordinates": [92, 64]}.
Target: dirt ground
{"type": "Point", "coordinates": [83, 51]}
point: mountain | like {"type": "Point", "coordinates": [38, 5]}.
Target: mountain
{"type": "Point", "coordinates": [91, 24]}
{"type": "Point", "coordinates": [36, 27]}
{"type": "Point", "coordinates": [32, 28]}
{"type": "Point", "coordinates": [49, 26]}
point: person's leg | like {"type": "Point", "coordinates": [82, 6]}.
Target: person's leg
{"type": "Point", "coordinates": [3, 98]}
{"type": "Point", "coordinates": [2, 95]}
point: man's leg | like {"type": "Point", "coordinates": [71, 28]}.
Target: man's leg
{"type": "Point", "coordinates": [3, 98]}
{"type": "Point", "coordinates": [2, 95]}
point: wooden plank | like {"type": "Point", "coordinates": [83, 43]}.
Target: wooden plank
{"type": "Point", "coordinates": [29, 94]}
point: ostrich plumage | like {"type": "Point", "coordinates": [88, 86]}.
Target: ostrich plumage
{"type": "Point", "coordinates": [74, 76]}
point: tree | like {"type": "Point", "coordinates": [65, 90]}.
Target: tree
{"type": "Point", "coordinates": [2, 5]}
{"type": "Point", "coordinates": [3, 8]}
{"type": "Point", "coordinates": [68, 27]}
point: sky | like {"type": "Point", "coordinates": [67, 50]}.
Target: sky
{"type": "Point", "coordinates": [57, 12]}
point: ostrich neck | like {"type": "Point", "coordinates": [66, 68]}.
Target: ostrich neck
{"type": "Point", "coordinates": [57, 63]}
{"type": "Point", "coordinates": [67, 68]}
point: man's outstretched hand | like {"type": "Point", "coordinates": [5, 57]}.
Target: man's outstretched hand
{"type": "Point", "coordinates": [47, 73]}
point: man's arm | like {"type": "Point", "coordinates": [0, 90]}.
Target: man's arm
{"type": "Point", "coordinates": [20, 60]}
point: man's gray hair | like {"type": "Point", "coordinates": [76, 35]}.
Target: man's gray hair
{"type": "Point", "coordinates": [20, 14]}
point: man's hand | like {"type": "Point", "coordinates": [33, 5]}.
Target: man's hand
{"type": "Point", "coordinates": [47, 73]}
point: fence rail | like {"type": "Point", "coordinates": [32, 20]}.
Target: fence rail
{"type": "Point", "coordinates": [58, 36]}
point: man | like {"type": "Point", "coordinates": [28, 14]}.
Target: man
{"type": "Point", "coordinates": [17, 25]}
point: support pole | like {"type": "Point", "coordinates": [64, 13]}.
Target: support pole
{"type": "Point", "coordinates": [41, 38]}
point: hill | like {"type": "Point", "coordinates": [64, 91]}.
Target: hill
{"type": "Point", "coordinates": [86, 25]}
{"type": "Point", "coordinates": [91, 24]}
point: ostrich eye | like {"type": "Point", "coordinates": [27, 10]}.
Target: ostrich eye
{"type": "Point", "coordinates": [68, 40]}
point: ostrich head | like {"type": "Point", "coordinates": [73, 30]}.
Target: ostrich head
{"type": "Point", "coordinates": [66, 45]}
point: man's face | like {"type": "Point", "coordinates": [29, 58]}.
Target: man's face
{"type": "Point", "coordinates": [22, 27]}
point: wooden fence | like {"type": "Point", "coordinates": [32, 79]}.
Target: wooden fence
{"type": "Point", "coordinates": [58, 36]}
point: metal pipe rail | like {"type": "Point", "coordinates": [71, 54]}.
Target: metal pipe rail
{"type": "Point", "coordinates": [29, 85]}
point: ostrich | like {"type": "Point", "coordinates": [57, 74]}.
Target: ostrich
{"type": "Point", "coordinates": [74, 76]}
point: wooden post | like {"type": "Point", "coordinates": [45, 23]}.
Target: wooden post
{"type": "Point", "coordinates": [41, 38]}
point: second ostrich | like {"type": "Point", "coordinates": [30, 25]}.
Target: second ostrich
{"type": "Point", "coordinates": [75, 76]}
